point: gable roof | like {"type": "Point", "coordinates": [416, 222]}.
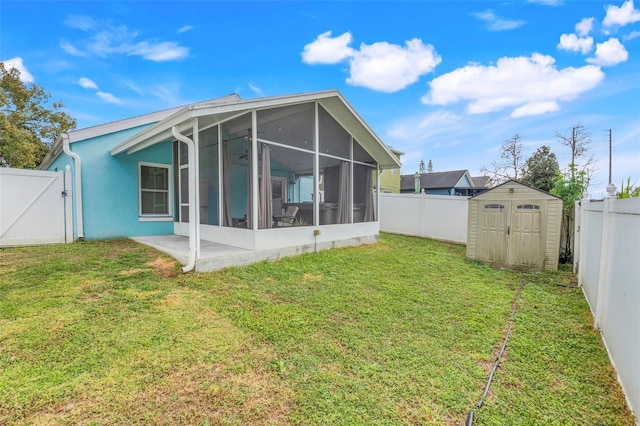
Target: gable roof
{"type": "Point", "coordinates": [481, 181]}
{"type": "Point", "coordinates": [119, 125]}
{"type": "Point", "coordinates": [212, 113]}
{"type": "Point", "coordinates": [488, 193]}
{"type": "Point", "coordinates": [434, 180]}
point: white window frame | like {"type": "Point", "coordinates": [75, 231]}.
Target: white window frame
{"type": "Point", "coordinates": [156, 217]}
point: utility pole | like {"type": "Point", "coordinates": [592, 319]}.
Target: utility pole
{"type": "Point", "coordinates": [610, 156]}
{"type": "Point", "coordinates": [573, 152]}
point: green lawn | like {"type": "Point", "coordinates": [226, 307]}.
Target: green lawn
{"type": "Point", "coordinates": [399, 332]}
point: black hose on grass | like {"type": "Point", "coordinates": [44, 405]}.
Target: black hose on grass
{"type": "Point", "coordinates": [514, 307]}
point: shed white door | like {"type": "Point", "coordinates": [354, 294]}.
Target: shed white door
{"type": "Point", "coordinates": [511, 233]}
{"type": "Point", "coordinates": [34, 208]}
{"type": "Point", "coordinates": [492, 233]}
{"type": "Point", "coordinates": [526, 247]}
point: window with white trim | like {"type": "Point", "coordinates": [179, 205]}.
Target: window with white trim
{"type": "Point", "coordinates": [154, 195]}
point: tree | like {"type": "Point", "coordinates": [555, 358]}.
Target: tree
{"type": "Point", "coordinates": [509, 166]}
{"type": "Point", "coordinates": [629, 191]}
{"type": "Point", "coordinates": [29, 123]}
{"type": "Point", "coordinates": [570, 186]}
{"type": "Point", "coordinates": [422, 169]}
{"type": "Point", "coordinates": [540, 170]}
{"type": "Point", "coordinates": [430, 167]}
{"type": "Point", "coordinates": [578, 143]}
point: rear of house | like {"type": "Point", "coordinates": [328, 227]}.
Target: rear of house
{"type": "Point", "coordinates": [293, 172]}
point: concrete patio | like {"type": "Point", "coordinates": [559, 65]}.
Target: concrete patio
{"type": "Point", "coordinates": [214, 256]}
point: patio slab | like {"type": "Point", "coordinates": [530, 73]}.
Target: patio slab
{"type": "Point", "coordinates": [214, 256]}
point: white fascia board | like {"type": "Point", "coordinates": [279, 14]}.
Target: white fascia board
{"type": "Point", "coordinates": [161, 131]}
{"type": "Point", "coordinates": [116, 126]}
{"type": "Point", "coordinates": [128, 123]}
{"type": "Point", "coordinates": [154, 134]}
{"type": "Point", "coordinates": [259, 103]}
{"type": "Point", "coordinates": [52, 154]}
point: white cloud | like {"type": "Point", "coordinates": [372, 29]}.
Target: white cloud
{"type": "Point", "coordinates": [109, 98]}
{"type": "Point", "coordinates": [83, 23]}
{"type": "Point", "coordinates": [631, 35]}
{"type": "Point", "coordinates": [530, 85]}
{"type": "Point", "coordinates": [327, 50]}
{"type": "Point", "coordinates": [424, 128]}
{"type": "Point", "coordinates": [87, 83]}
{"type": "Point", "coordinates": [584, 27]}
{"type": "Point", "coordinates": [159, 52]}
{"type": "Point", "coordinates": [168, 93]}
{"type": "Point", "coordinates": [495, 23]}
{"type": "Point", "coordinates": [574, 43]}
{"type": "Point", "coordinates": [106, 39]}
{"type": "Point", "coordinates": [609, 53]}
{"type": "Point", "coordinates": [388, 67]}
{"type": "Point", "coordinates": [72, 50]}
{"type": "Point", "coordinates": [25, 75]}
{"type": "Point", "coordinates": [621, 16]}
{"type": "Point", "coordinates": [185, 29]}
{"type": "Point", "coordinates": [255, 89]}
{"type": "Point", "coordinates": [379, 66]}
{"type": "Point", "coordinates": [535, 108]}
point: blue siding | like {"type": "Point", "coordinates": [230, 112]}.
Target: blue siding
{"type": "Point", "coordinates": [464, 182]}
{"type": "Point", "coordinates": [110, 186]}
{"type": "Point", "coordinates": [442, 191]}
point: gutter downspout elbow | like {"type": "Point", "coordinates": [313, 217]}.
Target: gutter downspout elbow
{"type": "Point", "coordinates": [78, 182]}
{"type": "Point", "coordinates": [192, 219]}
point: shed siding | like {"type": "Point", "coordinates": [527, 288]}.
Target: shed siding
{"type": "Point", "coordinates": [472, 236]}
{"type": "Point", "coordinates": [514, 193]}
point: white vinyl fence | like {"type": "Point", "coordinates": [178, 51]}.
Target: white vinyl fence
{"type": "Point", "coordinates": [35, 207]}
{"type": "Point", "coordinates": [441, 217]}
{"type": "Point", "coordinates": [607, 261]}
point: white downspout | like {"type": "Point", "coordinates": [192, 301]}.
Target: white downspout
{"type": "Point", "coordinates": [78, 181]}
{"type": "Point", "coordinates": [193, 226]}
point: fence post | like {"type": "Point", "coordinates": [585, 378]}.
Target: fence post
{"type": "Point", "coordinates": [577, 215]}
{"type": "Point", "coordinates": [604, 277]}
{"type": "Point", "coordinates": [581, 232]}
{"type": "Point", "coordinates": [423, 215]}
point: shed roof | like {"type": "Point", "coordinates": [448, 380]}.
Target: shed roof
{"type": "Point", "coordinates": [513, 183]}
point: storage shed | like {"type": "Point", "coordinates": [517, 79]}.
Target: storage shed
{"type": "Point", "coordinates": [516, 226]}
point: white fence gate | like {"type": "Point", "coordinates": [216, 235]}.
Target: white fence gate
{"type": "Point", "coordinates": [607, 260]}
{"type": "Point", "coordinates": [35, 207]}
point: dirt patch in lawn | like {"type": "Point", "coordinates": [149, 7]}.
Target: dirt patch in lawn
{"type": "Point", "coordinates": [164, 267]}
{"type": "Point", "coordinates": [214, 394]}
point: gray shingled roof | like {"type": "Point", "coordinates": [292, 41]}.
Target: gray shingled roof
{"type": "Point", "coordinates": [433, 180]}
{"type": "Point", "coordinates": [481, 181]}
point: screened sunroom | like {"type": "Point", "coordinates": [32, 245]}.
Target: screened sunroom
{"type": "Point", "coordinates": [273, 175]}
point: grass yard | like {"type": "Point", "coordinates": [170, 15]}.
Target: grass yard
{"type": "Point", "coordinates": [399, 332]}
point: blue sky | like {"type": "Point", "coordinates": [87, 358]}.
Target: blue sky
{"type": "Point", "coordinates": [446, 81]}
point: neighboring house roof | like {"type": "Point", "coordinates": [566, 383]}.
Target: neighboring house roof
{"type": "Point", "coordinates": [435, 180]}
{"type": "Point", "coordinates": [481, 181]}
{"type": "Point", "coordinates": [214, 112]}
